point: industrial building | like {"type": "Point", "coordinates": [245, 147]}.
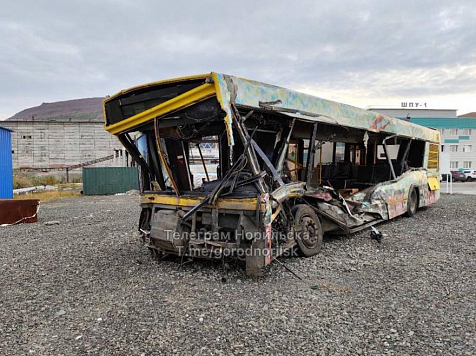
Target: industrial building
{"type": "Point", "coordinates": [61, 134]}
{"type": "Point", "coordinates": [6, 172]}
{"type": "Point", "coordinates": [54, 144]}
{"type": "Point", "coordinates": [458, 133]}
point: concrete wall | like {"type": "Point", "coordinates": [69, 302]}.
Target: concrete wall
{"type": "Point", "coordinates": [50, 144]}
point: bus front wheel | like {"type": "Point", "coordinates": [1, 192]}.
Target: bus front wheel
{"type": "Point", "coordinates": [309, 236]}
{"type": "Point", "coordinates": [412, 204]}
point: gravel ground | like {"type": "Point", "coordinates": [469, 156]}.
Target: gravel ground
{"type": "Point", "coordinates": [86, 286]}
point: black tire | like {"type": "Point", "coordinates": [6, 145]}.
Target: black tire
{"type": "Point", "coordinates": [155, 254]}
{"type": "Point", "coordinates": [412, 203]}
{"type": "Point", "coordinates": [310, 239]}
{"type": "Point", "coordinates": [469, 179]}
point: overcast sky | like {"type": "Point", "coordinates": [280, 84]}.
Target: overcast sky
{"type": "Point", "coordinates": [358, 52]}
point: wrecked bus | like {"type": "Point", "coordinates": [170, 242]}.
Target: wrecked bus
{"type": "Point", "coordinates": [288, 167]}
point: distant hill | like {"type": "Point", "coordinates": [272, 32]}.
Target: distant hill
{"type": "Point", "coordinates": [89, 109]}
{"type": "Point", "coordinates": [470, 114]}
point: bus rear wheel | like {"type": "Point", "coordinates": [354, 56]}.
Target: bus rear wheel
{"type": "Point", "coordinates": [309, 236]}
{"type": "Point", "coordinates": [412, 204]}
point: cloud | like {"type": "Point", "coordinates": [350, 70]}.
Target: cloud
{"type": "Point", "coordinates": [57, 50]}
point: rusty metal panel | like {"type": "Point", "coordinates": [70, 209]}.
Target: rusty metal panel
{"type": "Point", "coordinates": [18, 211]}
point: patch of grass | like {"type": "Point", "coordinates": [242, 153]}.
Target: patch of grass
{"type": "Point", "coordinates": [49, 180]}
{"type": "Point", "coordinates": [49, 195]}
{"type": "Point", "coordinates": [70, 186]}
{"type": "Point", "coordinates": [22, 181]}
{"type": "Point", "coordinates": [25, 180]}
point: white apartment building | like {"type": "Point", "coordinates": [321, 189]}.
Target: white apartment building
{"type": "Point", "coordinates": [458, 134]}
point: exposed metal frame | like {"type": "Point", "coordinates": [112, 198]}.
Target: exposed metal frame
{"type": "Point", "coordinates": [165, 164]}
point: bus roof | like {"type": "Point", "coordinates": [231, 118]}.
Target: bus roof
{"type": "Point", "coordinates": [256, 95]}
{"type": "Point", "coordinates": [253, 94]}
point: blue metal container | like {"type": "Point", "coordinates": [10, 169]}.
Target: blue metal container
{"type": "Point", "coordinates": [6, 169]}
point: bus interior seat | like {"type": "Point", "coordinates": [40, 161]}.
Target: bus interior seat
{"type": "Point", "coordinates": [381, 173]}
{"type": "Point", "coordinates": [344, 174]}
{"type": "Point", "coordinates": [365, 174]}
{"type": "Point", "coordinates": [329, 171]}
{"type": "Point", "coordinates": [344, 169]}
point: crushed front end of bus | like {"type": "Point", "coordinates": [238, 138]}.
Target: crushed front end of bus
{"type": "Point", "coordinates": [236, 169]}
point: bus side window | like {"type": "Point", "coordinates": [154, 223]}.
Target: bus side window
{"type": "Point", "coordinates": [292, 162]}
{"type": "Point", "coordinates": [416, 154]}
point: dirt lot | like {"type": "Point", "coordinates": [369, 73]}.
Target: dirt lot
{"type": "Point", "coordinates": [86, 286]}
